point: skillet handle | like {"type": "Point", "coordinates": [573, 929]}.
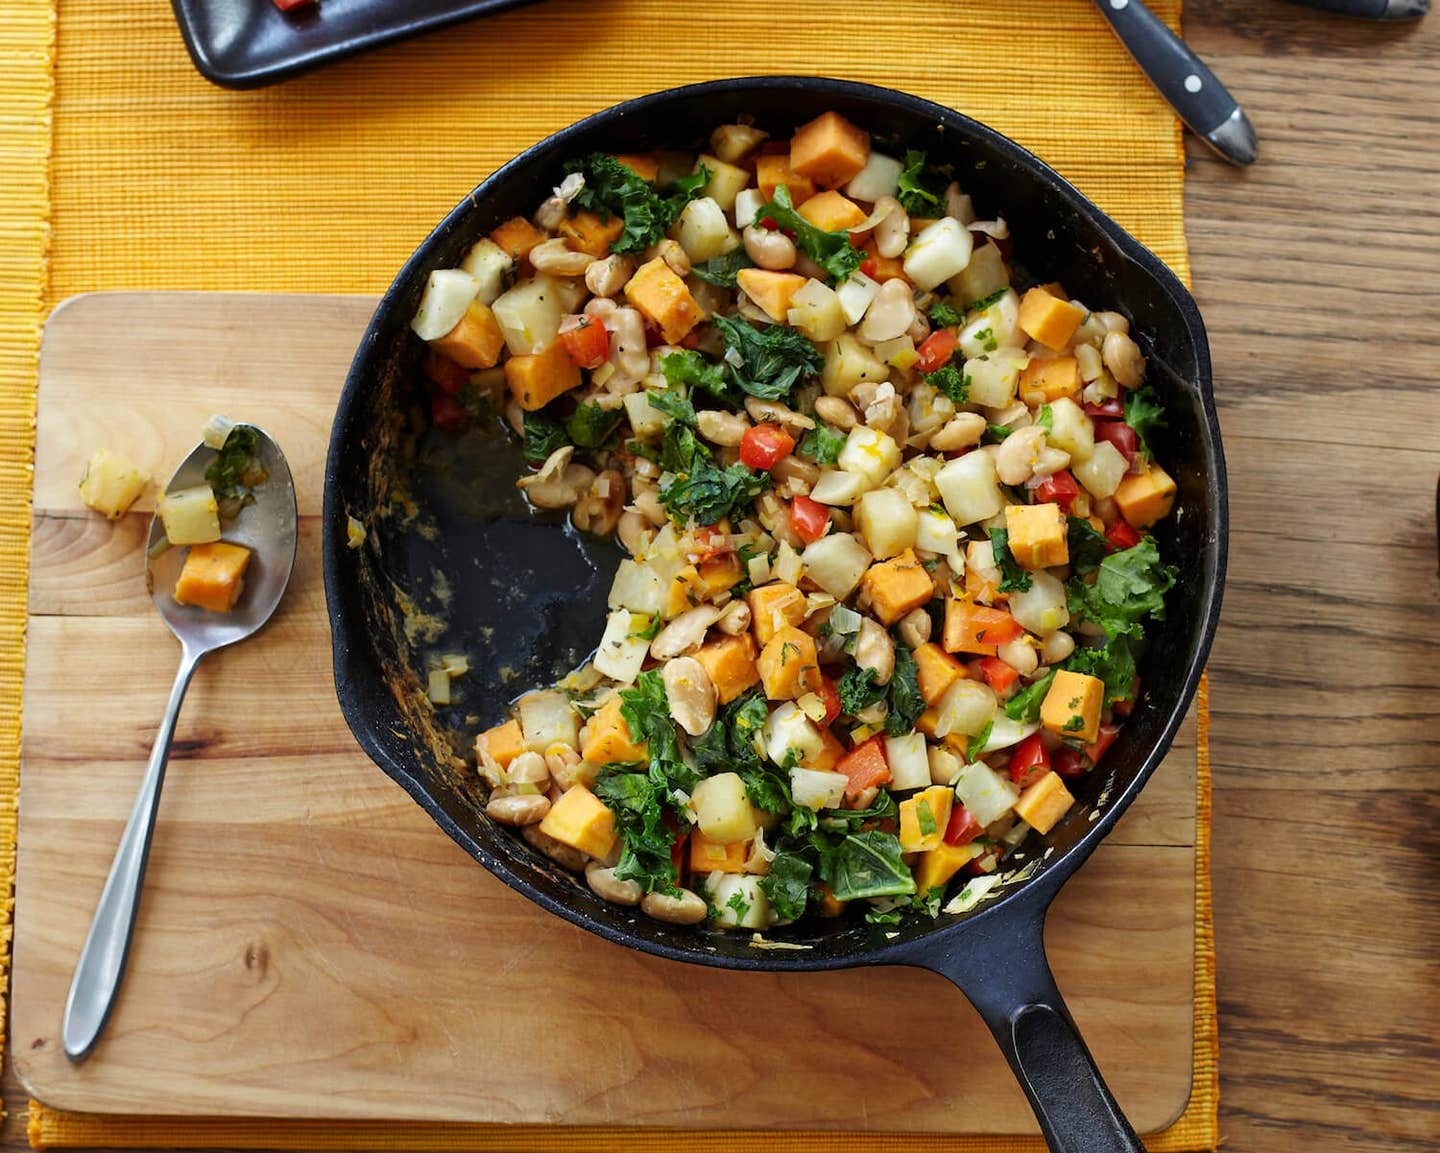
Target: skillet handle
{"type": "Point", "coordinates": [1007, 978]}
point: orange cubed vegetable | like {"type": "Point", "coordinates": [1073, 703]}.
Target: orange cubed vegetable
{"type": "Point", "coordinates": [685, 592]}
{"type": "Point", "coordinates": [730, 661]}
{"type": "Point", "coordinates": [936, 670]}
{"type": "Point", "coordinates": [833, 212]}
{"type": "Point", "coordinates": [773, 606]}
{"type": "Point", "coordinates": [831, 750]}
{"type": "Point", "coordinates": [720, 574]}
{"type": "Point", "coordinates": [1048, 319]}
{"type": "Point", "coordinates": [581, 820]}
{"type": "Point", "coordinates": [1147, 497]}
{"type": "Point", "coordinates": [1042, 381]}
{"type": "Point", "coordinates": [897, 586]}
{"type": "Point", "coordinates": [213, 576]}
{"type": "Point", "coordinates": [789, 666]}
{"type": "Point", "coordinates": [936, 866]}
{"type": "Point", "coordinates": [866, 766]}
{"type": "Point", "coordinates": [923, 818]}
{"type": "Point", "coordinates": [771, 172]}
{"type": "Point", "coordinates": [881, 268]}
{"type": "Point", "coordinates": [476, 339]}
{"type": "Point", "coordinates": [502, 744]}
{"type": "Point", "coordinates": [642, 164]}
{"type": "Point", "coordinates": [829, 150]}
{"type": "Point", "coordinates": [771, 291]}
{"type": "Point", "coordinates": [830, 905]}
{"type": "Point", "coordinates": [517, 236]}
{"type": "Point", "coordinates": [972, 628]}
{"type": "Point", "coordinates": [707, 856]}
{"type": "Point", "coordinates": [1038, 535]}
{"type": "Point", "coordinates": [1055, 289]}
{"type": "Point", "coordinates": [1043, 804]}
{"type": "Point", "coordinates": [608, 739]}
{"type": "Point", "coordinates": [1072, 706]}
{"type": "Point", "coordinates": [586, 232]}
{"type": "Point", "coordinates": [535, 380]}
{"type": "Point", "coordinates": [662, 296]}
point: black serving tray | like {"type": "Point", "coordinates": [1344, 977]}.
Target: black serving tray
{"type": "Point", "coordinates": [251, 43]}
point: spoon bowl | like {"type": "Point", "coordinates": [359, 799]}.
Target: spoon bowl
{"type": "Point", "coordinates": [268, 528]}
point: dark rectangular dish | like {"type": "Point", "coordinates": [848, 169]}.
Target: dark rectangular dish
{"type": "Point", "coordinates": [251, 43]}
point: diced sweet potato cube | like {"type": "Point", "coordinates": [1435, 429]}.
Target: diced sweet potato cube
{"type": "Point", "coordinates": [866, 767]}
{"type": "Point", "coordinates": [642, 164]}
{"type": "Point", "coordinates": [897, 585]}
{"type": "Point", "coordinates": [771, 291]}
{"type": "Point", "coordinates": [535, 380]}
{"type": "Point", "coordinates": [972, 628]}
{"type": "Point", "coordinates": [1048, 319]}
{"type": "Point", "coordinates": [586, 232]}
{"type": "Point", "coordinates": [720, 574]}
{"type": "Point", "coordinates": [830, 905]}
{"type": "Point", "coordinates": [829, 150]}
{"type": "Point", "coordinates": [1145, 498]}
{"type": "Point", "coordinates": [936, 670]}
{"type": "Point", "coordinates": [832, 211]}
{"type": "Point", "coordinates": [771, 172]}
{"type": "Point", "coordinates": [789, 666]}
{"type": "Point", "coordinates": [1044, 803]}
{"type": "Point", "coordinates": [923, 818]}
{"type": "Point", "coordinates": [938, 865]}
{"type": "Point", "coordinates": [476, 339]}
{"type": "Point", "coordinates": [685, 592]}
{"type": "Point", "coordinates": [881, 268]}
{"type": "Point", "coordinates": [707, 856]}
{"type": "Point", "coordinates": [1042, 381]}
{"type": "Point", "coordinates": [517, 236]}
{"type": "Point", "coordinates": [581, 820]}
{"type": "Point", "coordinates": [730, 661]}
{"type": "Point", "coordinates": [213, 576]}
{"type": "Point", "coordinates": [1072, 706]}
{"type": "Point", "coordinates": [608, 739]}
{"type": "Point", "coordinates": [831, 750]}
{"type": "Point", "coordinates": [663, 297]}
{"type": "Point", "coordinates": [503, 743]}
{"type": "Point", "coordinates": [1038, 535]}
{"type": "Point", "coordinates": [771, 601]}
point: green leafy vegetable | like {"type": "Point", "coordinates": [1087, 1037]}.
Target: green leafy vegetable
{"type": "Point", "coordinates": [646, 710]}
{"type": "Point", "coordinates": [1045, 418]}
{"type": "Point", "coordinates": [1144, 413]}
{"type": "Point", "coordinates": [864, 865]}
{"type": "Point", "coordinates": [906, 703]}
{"type": "Point", "coordinates": [613, 189]}
{"type": "Point", "coordinates": [977, 742]}
{"type": "Point", "coordinates": [674, 405]}
{"type": "Point", "coordinates": [832, 251]}
{"type": "Point", "coordinates": [1024, 706]}
{"type": "Point", "coordinates": [236, 469]}
{"type": "Point", "coordinates": [680, 450]}
{"type": "Point", "coordinates": [767, 362]}
{"type": "Point", "coordinates": [998, 432]}
{"type": "Point", "coordinates": [690, 369]}
{"type": "Point", "coordinates": [543, 435]}
{"type": "Point", "coordinates": [650, 631]}
{"type": "Point", "coordinates": [858, 691]}
{"type": "Point", "coordinates": [788, 885]}
{"type": "Point", "coordinates": [640, 819]}
{"type": "Point", "coordinates": [1129, 586]}
{"type": "Point", "coordinates": [884, 916]}
{"type": "Point", "coordinates": [1086, 545]}
{"type": "Point", "coordinates": [721, 270]}
{"type": "Point", "coordinates": [1013, 578]}
{"type": "Point", "coordinates": [590, 425]}
{"type": "Point", "coordinates": [925, 819]}
{"type": "Point", "coordinates": [1113, 663]}
{"type": "Point", "coordinates": [986, 301]}
{"type": "Point", "coordinates": [739, 904]}
{"type": "Point", "coordinates": [703, 491]}
{"type": "Point", "coordinates": [822, 444]}
{"type": "Point", "coordinates": [921, 192]}
{"type": "Point", "coordinates": [944, 315]}
{"type": "Point", "coordinates": [948, 379]}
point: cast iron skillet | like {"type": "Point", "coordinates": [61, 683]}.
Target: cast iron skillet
{"type": "Point", "coordinates": [525, 597]}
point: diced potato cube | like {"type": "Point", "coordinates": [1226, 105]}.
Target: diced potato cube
{"type": "Point", "coordinates": [937, 670]}
{"type": "Point", "coordinates": [586, 232]}
{"type": "Point", "coordinates": [923, 817]}
{"type": "Point", "coordinates": [774, 171]}
{"type": "Point", "coordinates": [190, 515]}
{"type": "Point", "coordinates": [1038, 535]}
{"type": "Point", "coordinates": [623, 646]}
{"type": "Point", "coordinates": [726, 181]}
{"type": "Point", "coordinates": [1072, 706]}
{"type": "Point", "coordinates": [992, 379]}
{"type": "Point", "coordinates": [664, 298]}
{"type": "Point", "coordinates": [581, 820]}
{"type": "Point", "coordinates": [1102, 473]}
{"type": "Point", "coordinates": [984, 276]}
{"type": "Point", "coordinates": [529, 315]}
{"type": "Point", "coordinates": [1048, 319]}
{"type": "Point", "coordinates": [213, 576]}
{"type": "Point", "coordinates": [608, 739]}
{"type": "Point", "coordinates": [909, 762]}
{"type": "Point", "coordinates": [970, 488]}
{"type": "Point", "coordinates": [939, 251]}
{"type": "Point", "coordinates": [475, 341]}
{"type": "Point", "coordinates": [898, 586]}
{"type": "Point", "coordinates": [832, 212]}
{"type": "Point", "coordinates": [937, 866]}
{"type": "Point", "coordinates": [936, 531]}
{"type": "Point", "coordinates": [516, 237]}
{"type": "Point", "coordinates": [1071, 430]}
{"type": "Point", "coordinates": [646, 421]}
{"type": "Point", "coordinates": [448, 293]}
{"type": "Point", "coordinates": [880, 177]}
{"type": "Point", "coordinates": [636, 587]}
{"type": "Point", "coordinates": [815, 310]}
{"type": "Point", "coordinates": [1043, 804]}
{"type": "Point", "coordinates": [817, 789]}
{"type": "Point", "coordinates": [489, 264]}
{"type": "Point", "coordinates": [739, 902]}
{"type": "Point", "coordinates": [722, 809]}
{"type": "Point", "coordinates": [772, 292]}
{"type": "Point", "coordinates": [111, 483]}
{"type": "Point", "coordinates": [548, 719]}
{"type": "Point", "coordinates": [1146, 498]}
{"type": "Point", "coordinates": [790, 735]}
{"type": "Point", "coordinates": [987, 794]}
{"type": "Point", "coordinates": [836, 563]}
{"type": "Point", "coordinates": [1044, 381]}
{"type": "Point", "coordinates": [888, 522]}
{"type": "Point", "coordinates": [789, 667]}
{"type": "Point", "coordinates": [837, 489]}
{"type": "Point", "coordinates": [535, 380]}
{"type": "Point", "coordinates": [829, 150]}
{"type": "Point", "coordinates": [855, 296]}
{"type": "Point", "coordinates": [707, 856]}
{"type": "Point", "coordinates": [774, 606]}
{"type": "Point", "coordinates": [730, 661]}
{"type": "Point", "coordinates": [1043, 607]}
{"type": "Point", "coordinates": [870, 454]}
{"type": "Point", "coordinates": [848, 363]}
{"type": "Point", "coordinates": [703, 231]}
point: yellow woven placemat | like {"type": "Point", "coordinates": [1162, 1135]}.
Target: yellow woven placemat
{"type": "Point", "coordinates": [327, 183]}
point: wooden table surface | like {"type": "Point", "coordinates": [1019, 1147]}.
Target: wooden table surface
{"type": "Point", "coordinates": [1319, 275]}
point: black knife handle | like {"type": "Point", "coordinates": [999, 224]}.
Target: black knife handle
{"type": "Point", "coordinates": [1372, 9]}
{"type": "Point", "coordinates": [1183, 79]}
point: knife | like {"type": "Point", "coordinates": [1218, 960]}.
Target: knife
{"type": "Point", "coordinates": [1201, 101]}
{"type": "Point", "coordinates": [1373, 9]}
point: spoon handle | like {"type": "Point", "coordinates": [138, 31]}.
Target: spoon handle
{"type": "Point", "coordinates": [101, 967]}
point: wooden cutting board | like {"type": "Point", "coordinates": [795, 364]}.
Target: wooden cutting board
{"type": "Point", "coordinates": [311, 945]}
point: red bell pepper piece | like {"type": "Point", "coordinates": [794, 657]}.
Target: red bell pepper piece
{"type": "Point", "coordinates": [1058, 488]}
{"type": "Point", "coordinates": [1121, 535]}
{"type": "Point", "coordinates": [998, 674]}
{"type": "Point", "coordinates": [587, 343]}
{"type": "Point", "coordinates": [963, 827]}
{"type": "Point", "coordinates": [1068, 762]}
{"type": "Point", "coordinates": [936, 350]}
{"type": "Point", "coordinates": [1112, 409]}
{"type": "Point", "coordinates": [764, 446]}
{"type": "Point", "coordinates": [809, 519]}
{"type": "Point", "coordinates": [831, 696]}
{"type": "Point", "coordinates": [1106, 738]}
{"type": "Point", "coordinates": [1121, 435]}
{"type": "Point", "coordinates": [865, 765]}
{"type": "Point", "coordinates": [1029, 761]}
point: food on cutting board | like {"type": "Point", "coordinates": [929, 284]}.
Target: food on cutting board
{"type": "Point", "coordinates": [111, 483]}
{"type": "Point", "coordinates": [887, 504]}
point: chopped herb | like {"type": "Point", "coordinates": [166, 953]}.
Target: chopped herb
{"type": "Point", "coordinates": [883, 916]}
{"type": "Point", "coordinates": [1144, 413]}
{"type": "Point", "coordinates": [688, 368]}
{"type": "Point", "coordinates": [1074, 725]}
{"type": "Point", "coordinates": [1024, 706]}
{"type": "Point", "coordinates": [998, 432]}
{"type": "Point", "coordinates": [832, 251]}
{"type": "Point", "coordinates": [858, 691]}
{"type": "Point", "coordinates": [767, 362]}
{"type": "Point", "coordinates": [1086, 545]}
{"type": "Point", "coordinates": [721, 270]}
{"type": "Point", "coordinates": [1045, 418]}
{"type": "Point", "coordinates": [650, 631]}
{"type": "Point", "coordinates": [925, 818]}
{"type": "Point", "coordinates": [978, 741]}
{"type": "Point", "coordinates": [822, 444]}
{"type": "Point", "coordinates": [1113, 663]}
{"type": "Point", "coordinates": [1014, 579]}
{"type": "Point", "coordinates": [673, 405]}
{"type": "Point", "coordinates": [590, 425]}
{"type": "Point", "coordinates": [986, 337]}
{"type": "Point", "coordinates": [943, 315]}
{"type": "Point", "coordinates": [918, 186]}
{"type": "Point", "coordinates": [646, 710]}
{"type": "Point", "coordinates": [738, 904]}
{"type": "Point", "coordinates": [948, 379]}
{"type": "Point", "coordinates": [543, 435]}
{"type": "Point", "coordinates": [906, 703]}
{"type": "Point", "coordinates": [236, 469]}
{"type": "Point", "coordinates": [708, 493]}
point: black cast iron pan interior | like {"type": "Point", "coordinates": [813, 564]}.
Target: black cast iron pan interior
{"type": "Point", "coordinates": [455, 561]}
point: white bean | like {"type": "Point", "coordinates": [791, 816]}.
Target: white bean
{"type": "Point", "coordinates": [1018, 453]}
{"type": "Point", "coordinates": [734, 619]}
{"type": "Point", "coordinates": [605, 884]}
{"type": "Point", "coordinates": [685, 633]}
{"type": "Point", "coordinates": [633, 531]}
{"type": "Point", "coordinates": [915, 627]}
{"type": "Point", "coordinates": [961, 431]}
{"type": "Point", "coordinates": [605, 278]}
{"type": "Point", "coordinates": [525, 809]}
{"type": "Point", "coordinates": [671, 253]}
{"type": "Point", "coordinates": [773, 251]}
{"type": "Point", "coordinates": [892, 234]}
{"type": "Point", "coordinates": [725, 428]}
{"type": "Point", "coordinates": [836, 410]}
{"type": "Point", "coordinates": [1019, 656]}
{"type": "Point", "coordinates": [1057, 647]}
{"type": "Point", "coordinates": [690, 693]}
{"type": "Point", "coordinates": [875, 650]}
{"type": "Point", "coordinates": [890, 314]}
{"type": "Point", "coordinates": [1122, 357]}
{"type": "Point", "coordinates": [556, 258]}
{"type": "Point", "coordinates": [682, 908]}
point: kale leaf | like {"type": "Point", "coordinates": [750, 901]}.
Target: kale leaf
{"type": "Point", "coordinates": [1024, 706]}
{"type": "Point", "coordinates": [906, 703]}
{"type": "Point", "coordinates": [949, 380]}
{"type": "Point", "coordinates": [921, 192]}
{"type": "Point", "coordinates": [613, 189]}
{"type": "Point", "coordinates": [822, 444]}
{"type": "Point", "coordinates": [788, 885]}
{"type": "Point", "coordinates": [1113, 663]}
{"type": "Point", "coordinates": [858, 691]}
{"type": "Point", "coordinates": [690, 369]}
{"type": "Point", "coordinates": [943, 315]}
{"type": "Point", "coordinates": [1086, 545]}
{"type": "Point", "coordinates": [862, 865]}
{"type": "Point", "coordinates": [645, 838]}
{"type": "Point", "coordinates": [1144, 413]}
{"type": "Point", "coordinates": [232, 473]}
{"type": "Point", "coordinates": [720, 270]}
{"type": "Point", "coordinates": [1013, 578]}
{"type": "Point", "coordinates": [832, 251]}
{"type": "Point", "coordinates": [1129, 586]}
{"type": "Point", "coordinates": [767, 362]}
{"type": "Point", "coordinates": [590, 425]}
{"type": "Point", "coordinates": [543, 435]}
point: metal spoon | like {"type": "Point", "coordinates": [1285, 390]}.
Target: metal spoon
{"type": "Point", "coordinates": [268, 529]}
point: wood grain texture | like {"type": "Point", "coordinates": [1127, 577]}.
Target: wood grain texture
{"type": "Point", "coordinates": [307, 931]}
